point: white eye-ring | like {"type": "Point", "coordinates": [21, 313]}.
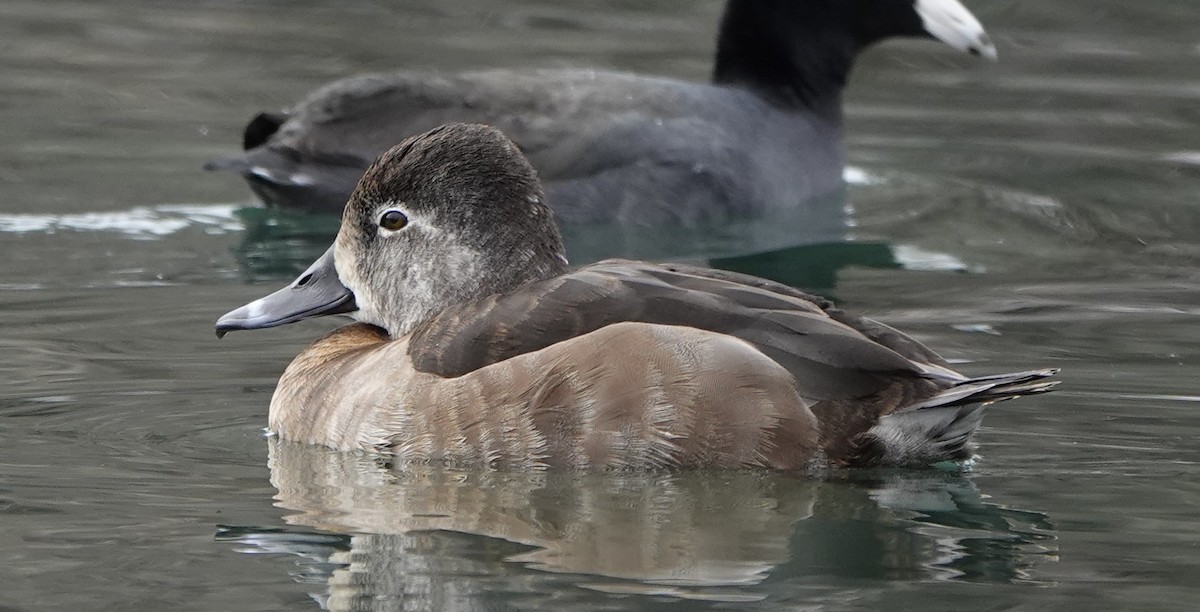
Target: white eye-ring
{"type": "Point", "coordinates": [393, 220]}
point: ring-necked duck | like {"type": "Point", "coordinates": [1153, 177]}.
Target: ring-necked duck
{"type": "Point", "coordinates": [477, 345]}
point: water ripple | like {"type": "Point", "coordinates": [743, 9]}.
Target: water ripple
{"type": "Point", "coordinates": [142, 222]}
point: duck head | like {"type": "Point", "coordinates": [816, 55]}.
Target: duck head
{"type": "Point", "coordinates": [447, 217]}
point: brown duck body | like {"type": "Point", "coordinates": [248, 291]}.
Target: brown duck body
{"type": "Point", "coordinates": [633, 365]}
{"type": "Point", "coordinates": [652, 396]}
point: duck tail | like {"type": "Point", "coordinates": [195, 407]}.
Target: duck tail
{"type": "Point", "coordinates": [994, 388]}
{"type": "Point", "coordinates": [940, 428]}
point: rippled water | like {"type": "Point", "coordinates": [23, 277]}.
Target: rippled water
{"type": "Point", "coordinates": [1036, 212]}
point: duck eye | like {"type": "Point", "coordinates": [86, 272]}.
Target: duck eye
{"type": "Point", "coordinates": [393, 220]}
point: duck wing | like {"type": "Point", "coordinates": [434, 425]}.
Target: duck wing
{"type": "Point", "coordinates": [874, 330]}
{"type": "Point", "coordinates": [830, 359]}
{"type": "Point", "coordinates": [879, 396]}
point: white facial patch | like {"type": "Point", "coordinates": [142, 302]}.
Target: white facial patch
{"type": "Point", "coordinates": [346, 263]}
{"type": "Point", "coordinates": [950, 22]}
{"type": "Point", "coordinates": [397, 298]}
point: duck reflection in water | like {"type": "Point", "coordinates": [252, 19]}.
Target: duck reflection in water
{"type": "Point", "coordinates": [376, 537]}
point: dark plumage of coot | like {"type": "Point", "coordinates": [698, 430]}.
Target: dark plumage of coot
{"type": "Point", "coordinates": [763, 137]}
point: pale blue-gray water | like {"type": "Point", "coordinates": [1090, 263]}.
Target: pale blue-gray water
{"type": "Point", "coordinates": [1041, 211]}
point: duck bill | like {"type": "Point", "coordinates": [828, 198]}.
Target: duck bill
{"type": "Point", "coordinates": [950, 22]}
{"type": "Point", "coordinates": [315, 293]}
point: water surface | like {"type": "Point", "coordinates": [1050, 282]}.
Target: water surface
{"type": "Point", "coordinates": [1040, 211]}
